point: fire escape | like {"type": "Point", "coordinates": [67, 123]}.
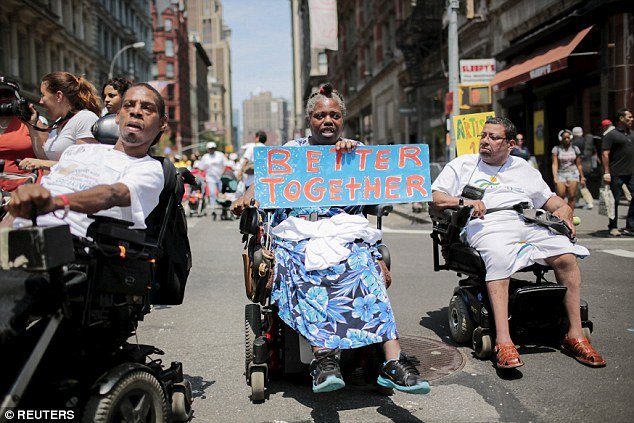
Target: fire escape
{"type": "Point", "coordinates": [418, 36]}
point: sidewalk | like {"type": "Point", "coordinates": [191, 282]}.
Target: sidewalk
{"type": "Point", "coordinates": [592, 223]}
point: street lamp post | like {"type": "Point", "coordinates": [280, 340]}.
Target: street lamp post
{"type": "Point", "coordinates": [139, 44]}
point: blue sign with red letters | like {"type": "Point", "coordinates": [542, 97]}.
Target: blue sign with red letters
{"type": "Point", "coordinates": [322, 176]}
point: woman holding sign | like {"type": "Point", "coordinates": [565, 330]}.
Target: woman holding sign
{"type": "Point", "coordinates": [334, 303]}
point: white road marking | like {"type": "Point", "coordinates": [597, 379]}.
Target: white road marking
{"type": "Point", "coordinates": [601, 239]}
{"type": "Point", "coordinates": [620, 253]}
{"type": "Point", "coordinates": [406, 231]}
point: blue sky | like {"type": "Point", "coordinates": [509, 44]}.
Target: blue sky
{"type": "Point", "coordinates": [261, 49]}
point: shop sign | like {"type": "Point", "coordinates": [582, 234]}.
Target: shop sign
{"type": "Point", "coordinates": [476, 71]}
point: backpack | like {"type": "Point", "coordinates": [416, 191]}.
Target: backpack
{"type": "Point", "coordinates": [167, 225]}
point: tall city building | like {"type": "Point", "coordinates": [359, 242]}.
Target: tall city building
{"type": "Point", "coordinates": [207, 24]}
{"type": "Point", "coordinates": [199, 70]}
{"type": "Point", "coordinates": [171, 69]}
{"type": "Point", "coordinates": [263, 112]}
{"type": "Point", "coordinates": [310, 65]}
{"type": "Point", "coordinates": [83, 37]}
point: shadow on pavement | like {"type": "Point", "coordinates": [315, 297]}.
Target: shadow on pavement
{"type": "Point", "coordinates": [436, 321]}
{"type": "Point", "coordinates": [199, 386]}
{"type": "Point", "coordinates": [326, 407]}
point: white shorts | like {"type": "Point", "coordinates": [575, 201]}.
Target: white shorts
{"type": "Point", "coordinates": [568, 176]}
{"type": "Point", "coordinates": [508, 244]}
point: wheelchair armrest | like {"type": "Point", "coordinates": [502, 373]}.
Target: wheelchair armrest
{"type": "Point", "coordinates": [250, 221]}
{"type": "Point", "coordinates": [458, 217]}
{"type": "Point", "coordinates": [111, 228]}
{"type": "Point", "coordinates": [378, 209]}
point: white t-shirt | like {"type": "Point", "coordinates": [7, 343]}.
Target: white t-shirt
{"type": "Point", "coordinates": [504, 186]}
{"type": "Point", "coordinates": [249, 156]}
{"type": "Point", "coordinates": [85, 166]}
{"type": "Point", "coordinates": [214, 164]}
{"type": "Point", "coordinates": [78, 127]}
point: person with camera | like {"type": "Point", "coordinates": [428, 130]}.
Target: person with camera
{"type": "Point", "coordinates": [72, 104]}
{"type": "Point", "coordinates": [15, 142]}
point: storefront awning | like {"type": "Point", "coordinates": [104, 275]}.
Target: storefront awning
{"type": "Point", "coordinates": [539, 64]}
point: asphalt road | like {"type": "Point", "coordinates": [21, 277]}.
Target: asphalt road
{"type": "Point", "coordinates": [206, 333]}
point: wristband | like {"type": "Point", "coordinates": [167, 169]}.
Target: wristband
{"type": "Point", "coordinates": [66, 207]}
{"type": "Point", "coordinates": [461, 201]}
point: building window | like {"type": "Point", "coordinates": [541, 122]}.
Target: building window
{"type": "Point", "coordinates": [168, 24]}
{"type": "Point", "coordinates": [207, 38]}
{"type": "Point", "coordinates": [170, 92]}
{"type": "Point", "coordinates": [169, 70]}
{"type": "Point", "coordinates": [322, 63]}
{"type": "Point", "coordinates": [154, 71]}
{"type": "Point", "coordinates": [171, 113]}
{"type": "Point", "coordinates": [169, 48]}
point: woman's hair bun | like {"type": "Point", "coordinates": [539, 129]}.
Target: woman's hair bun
{"type": "Point", "coordinates": [326, 89]}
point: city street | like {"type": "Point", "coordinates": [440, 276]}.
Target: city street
{"type": "Point", "coordinates": [206, 333]}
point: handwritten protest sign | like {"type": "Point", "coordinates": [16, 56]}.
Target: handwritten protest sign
{"type": "Point", "coordinates": [321, 176]}
{"type": "Point", "coordinates": [468, 129]}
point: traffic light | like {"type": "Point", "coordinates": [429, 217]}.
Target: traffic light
{"type": "Point", "coordinates": [474, 95]}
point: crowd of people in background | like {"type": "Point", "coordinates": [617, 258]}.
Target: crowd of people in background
{"type": "Point", "coordinates": [581, 158]}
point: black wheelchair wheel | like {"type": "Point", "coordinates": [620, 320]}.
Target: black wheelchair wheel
{"type": "Point", "coordinates": [460, 322]}
{"type": "Point", "coordinates": [252, 329]}
{"type": "Point", "coordinates": [136, 397]}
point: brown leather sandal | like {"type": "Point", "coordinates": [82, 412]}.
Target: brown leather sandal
{"type": "Point", "coordinates": [582, 351]}
{"type": "Point", "coordinates": [507, 357]}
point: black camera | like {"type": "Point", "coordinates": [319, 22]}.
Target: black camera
{"type": "Point", "coordinates": [18, 107]}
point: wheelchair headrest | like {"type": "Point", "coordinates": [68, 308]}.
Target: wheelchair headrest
{"type": "Point", "coordinates": [106, 130]}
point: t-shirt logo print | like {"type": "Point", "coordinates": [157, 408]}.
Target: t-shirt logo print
{"type": "Point", "coordinates": [483, 183]}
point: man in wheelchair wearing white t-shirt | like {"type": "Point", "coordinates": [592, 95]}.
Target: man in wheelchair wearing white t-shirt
{"type": "Point", "coordinates": [493, 179]}
{"type": "Point", "coordinates": [120, 181]}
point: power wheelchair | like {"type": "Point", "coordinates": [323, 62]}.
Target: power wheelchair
{"type": "Point", "coordinates": [272, 348]}
{"type": "Point", "coordinates": [69, 306]}
{"type": "Point", "coordinates": [536, 309]}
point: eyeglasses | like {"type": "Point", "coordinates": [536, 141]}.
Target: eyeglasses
{"type": "Point", "coordinates": [492, 137]}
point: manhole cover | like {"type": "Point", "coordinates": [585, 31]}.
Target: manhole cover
{"type": "Point", "coordinates": [437, 359]}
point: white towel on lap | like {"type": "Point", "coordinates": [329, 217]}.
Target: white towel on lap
{"type": "Point", "coordinates": [327, 237]}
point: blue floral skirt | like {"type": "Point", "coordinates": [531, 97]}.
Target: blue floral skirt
{"type": "Point", "coordinates": [345, 306]}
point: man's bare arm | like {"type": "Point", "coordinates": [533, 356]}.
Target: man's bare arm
{"type": "Point", "coordinates": [100, 197]}
{"type": "Point", "coordinates": [442, 200]}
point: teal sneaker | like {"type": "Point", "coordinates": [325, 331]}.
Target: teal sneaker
{"type": "Point", "coordinates": [402, 375]}
{"type": "Point", "coordinates": [326, 372]}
